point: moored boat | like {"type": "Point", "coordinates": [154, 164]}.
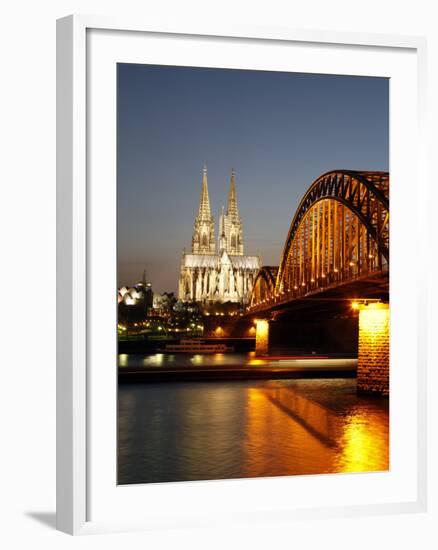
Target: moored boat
{"type": "Point", "coordinates": [196, 346]}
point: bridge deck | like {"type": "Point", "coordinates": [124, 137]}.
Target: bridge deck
{"type": "Point", "coordinates": [375, 286]}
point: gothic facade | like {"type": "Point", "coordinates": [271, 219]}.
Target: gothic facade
{"type": "Point", "coordinates": [217, 270]}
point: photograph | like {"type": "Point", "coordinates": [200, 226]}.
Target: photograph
{"type": "Point", "coordinates": [253, 303]}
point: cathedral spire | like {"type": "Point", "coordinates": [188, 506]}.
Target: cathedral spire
{"type": "Point", "coordinates": [203, 233]}
{"type": "Point", "coordinates": [232, 221]}
{"type": "Point", "coordinates": [222, 223]}
{"type": "Point", "coordinates": [232, 210]}
{"type": "Point", "coordinates": [222, 238]}
{"type": "Point", "coordinates": [204, 202]}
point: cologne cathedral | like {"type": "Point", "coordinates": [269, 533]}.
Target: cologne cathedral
{"type": "Point", "coordinates": [217, 270]}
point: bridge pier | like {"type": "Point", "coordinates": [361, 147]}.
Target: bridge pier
{"type": "Point", "coordinates": [262, 337]}
{"type": "Point", "coordinates": [373, 354]}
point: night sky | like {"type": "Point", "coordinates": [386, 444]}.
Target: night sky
{"type": "Point", "coordinates": [279, 131]}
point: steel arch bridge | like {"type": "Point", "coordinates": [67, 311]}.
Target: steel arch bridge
{"type": "Point", "coordinates": [264, 284]}
{"type": "Point", "coordinates": [339, 233]}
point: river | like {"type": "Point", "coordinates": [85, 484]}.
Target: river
{"type": "Point", "coordinates": [186, 431]}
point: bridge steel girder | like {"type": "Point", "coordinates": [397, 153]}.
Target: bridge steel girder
{"type": "Point", "coordinates": [264, 283]}
{"type": "Point", "coordinates": [361, 192]}
{"type": "Point", "coordinates": [365, 195]}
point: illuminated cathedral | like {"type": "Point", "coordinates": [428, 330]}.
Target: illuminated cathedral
{"type": "Point", "coordinates": [217, 270]}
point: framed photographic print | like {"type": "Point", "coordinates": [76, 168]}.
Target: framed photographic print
{"type": "Point", "coordinates": [238, 328]}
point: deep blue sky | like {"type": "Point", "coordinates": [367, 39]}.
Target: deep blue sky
{"type": "Point", "coordinates": [279, 131]}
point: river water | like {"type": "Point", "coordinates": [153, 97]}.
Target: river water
{"type": "Point", "coordinates": [216, 430]}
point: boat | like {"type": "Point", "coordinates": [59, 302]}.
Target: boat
{"type": "Point", "coordinates": [196, 346]}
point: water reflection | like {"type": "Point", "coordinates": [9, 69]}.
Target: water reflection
{"type": "Point", "coordinates": [190, 431]}
{"type": "Point", "coordinates": [155, 360]}
{"type": "Point", "coordinates": [253, 361]}
{"type": "Point", "coordinates": [364, 443]}
{"type": "Point", "coordinates": [197, 359]}
{"type": "Point", "coordinates": [187, 359]}
{"type": "Point", "coordinates": [249, 359]}
{"type": "Point", "coordinates": [276, 443]}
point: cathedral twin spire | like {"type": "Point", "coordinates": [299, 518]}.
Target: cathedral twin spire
{"type": "Point", "coordinates": [204, 203]}
{"type": "Point", "coordinates": [216, 270]}
{"type": "Point", "coordinates": [232, 209]}
{"type": "Point", "coordinates": [203, 234]}
{"type": "Point", "coordinates": [230, 238]}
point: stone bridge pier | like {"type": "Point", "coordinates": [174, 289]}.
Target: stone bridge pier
{"type": "Point", "coordinates": [373, 352]}
{"type": "Point", "coordinates": [366, 336]}
{"type": "Point", "coordinates": [262, 337]}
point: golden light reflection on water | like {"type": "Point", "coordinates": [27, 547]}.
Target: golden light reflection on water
{"type": "Point", "coordinates": [298, 452]}
{"type": "Point", "coordinates": [314, 438]}
{"type": "Point", "coordinates": [364, 444]}
{"type": "Point", "coordinates": [178, 432]}
{"type": "Point", "coordinates": [255, 362]}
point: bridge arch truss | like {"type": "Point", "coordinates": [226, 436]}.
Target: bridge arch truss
{"type": "Point", "coordinates": [339, 232]}
{"type": "Point", "coordinates": [264, 285]}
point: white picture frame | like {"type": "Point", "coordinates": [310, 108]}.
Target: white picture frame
{"type": "Point", "coordinates": [78, 419]}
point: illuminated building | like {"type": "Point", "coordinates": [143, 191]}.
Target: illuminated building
{"type": "Point", "coordinates": [219, 273]}
{"type": "Point", "coordinates": [140, 293]}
